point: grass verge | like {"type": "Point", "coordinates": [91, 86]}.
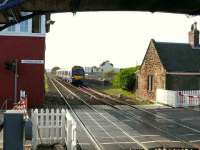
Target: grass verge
{"type": "Point", "coordinates": [127, 95]}
{"type": "Point", "coordinates": [46, 86]}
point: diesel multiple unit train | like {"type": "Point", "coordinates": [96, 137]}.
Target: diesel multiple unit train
{"type": "Point", "coordinates": [75, 75]}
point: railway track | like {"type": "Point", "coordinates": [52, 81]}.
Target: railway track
{"type": "Point", "coordinates": [52, 97]}
{"type": "Point", "coordinates": [108, 98]}
{"type": "Point", "coordinates": [148, 114]}
{"type": "Point", "coordinates": [128, 129]}
{"type": "Point", "coordinates": [94, 115]}
{"type": "Point", "coordinates": [86, 139]}
{"type": "Point", "coordinates": [145, 112]}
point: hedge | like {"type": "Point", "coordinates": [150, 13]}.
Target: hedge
{"type": "Point", "coordinates": [126, 78]}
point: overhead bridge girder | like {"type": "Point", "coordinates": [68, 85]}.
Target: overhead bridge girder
{"type": "Point", "coordinates": [174, 6]}
{"type": "Point", "coordinates": [38, 7]}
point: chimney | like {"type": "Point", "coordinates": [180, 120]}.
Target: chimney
{"type": "Point", "coordinates": [194, 35]}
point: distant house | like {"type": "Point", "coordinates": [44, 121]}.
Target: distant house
{"type": "Point", "coordinates": [92, 69]}
{"type": "Point", "coordinates": [106, 66]}
{"type": "Point", "coordinates": [170, 66]}
{"type": "Point", "coordinates": [95, 72]}
{"type": "Point", "coordinates": [87, 69]}
{"type": "Point", "coordinates": [96, 69]}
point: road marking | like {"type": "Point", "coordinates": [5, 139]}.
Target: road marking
{"type": "Point", "coordinates": [84, 143]}
{"type": "Point", "coordinates": [107, 143]}
{"type": "Point", "coordinates": [101, 127]}
{"type": "Point", "coordinates": [93, 139]}
{"type": "Point", "coordinates": [163, 141]}
{"type": "Point", "coordinates": [143, 110]}
{"type": "Point", "coordinates": [157, 116]}
{"type": "Point", "coordinates": [145, 135]}
{"type": "Point", "coordinates": [195, 141]}
{"type": "Point", "coordinates": [114, 124]}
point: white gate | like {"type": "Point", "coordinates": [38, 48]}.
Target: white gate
{"type": "Point", "coordinates": [53, 126]}
{"type": "Point", "coordinates": [70, 132]}
{"type": "Point", "coordinates": [178, 98]}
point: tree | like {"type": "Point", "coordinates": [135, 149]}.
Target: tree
{"type": "Point", "coordinates": [126, 78]}
{"type": "Point", "coordinates": [54, 69]}
{"type": "Point", "coordinates": [109, 75]}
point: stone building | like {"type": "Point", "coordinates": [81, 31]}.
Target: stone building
{"type": "Point", "coordinates": [170, 66]}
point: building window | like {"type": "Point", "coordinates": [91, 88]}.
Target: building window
{"type": "Point", "coordinates": [150, 83]}
{"type": "Point", "coordinates": [11, 28]}
{"type": "Point", "coordinates": [24, 26]}
{"type": "Point", "coordinates": [136, 82]}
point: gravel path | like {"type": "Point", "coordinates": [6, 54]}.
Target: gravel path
{"type": "Point", "coordinates": [52, 98]}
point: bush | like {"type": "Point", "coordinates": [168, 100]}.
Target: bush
{"type": "Point", "coordinates": [109, 75]}
{"type": "Point", "coordinates": [54, 69]}
{"type": "Point", "coordinates": [116, 80]}
{"type": "Point", "coordinates": [126, 78]}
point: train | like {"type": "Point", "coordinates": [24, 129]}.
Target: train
{"type": "Point", "coordinates": [74, 75]}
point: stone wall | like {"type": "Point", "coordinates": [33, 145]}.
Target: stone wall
{"type": "Point", "coordinates": [151, 66]}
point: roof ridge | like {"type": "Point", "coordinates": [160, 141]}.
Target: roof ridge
{"type": "Point", "coordinates": [171, 43]}
{"type": "Point", "coordinates": [181, 57]}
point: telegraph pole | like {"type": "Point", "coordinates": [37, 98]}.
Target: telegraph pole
{"type": "Point", "coordinates": [15, 68]}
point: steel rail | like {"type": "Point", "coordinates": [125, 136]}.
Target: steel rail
{"type": "Point", "coordinates": [184, 126]}
{"type": "Point", "coordinates": [140, 120]}
{"type": "Point", "coordinates": [155, 115]}
{"type": "Point", "coordinates": [135, 116]}
{"type": "Point", "coordinates": [95, 142]}
{"type": "Point", "coordinates": [147, 123]}
{"type": "Point", "coordinates": [114, 124]}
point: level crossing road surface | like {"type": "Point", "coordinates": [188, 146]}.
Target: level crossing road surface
{"type": "Point", "coordinates": [187, 116]}
{"type": "Point", "coordinates": [112, 137]}
{"type": "Point", "coordinates": [123, 127]}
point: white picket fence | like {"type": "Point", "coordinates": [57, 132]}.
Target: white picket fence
{"type": "Point", "coordinates": [70, 132]}
{"type": "Point", "coordinates": [178, 98]}
{"type": "Point", "coordinates": [53, 126]}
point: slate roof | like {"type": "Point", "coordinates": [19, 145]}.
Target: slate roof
{"type": "Point", "coordinates": [107, 61]}
{"type": "Point", "coordinates": [178, 57]}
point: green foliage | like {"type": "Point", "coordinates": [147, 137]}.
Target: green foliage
{"type": "Point", "coordinates": [126, 78]}
{"type": "Point", "coordinates": [109, 75]}
{"type": "Point", "coordinates": [116, 80]}
{"type": "Point", "coordinates": [53, 70]}
{"type": "Point", "coordinates": [46, 86]}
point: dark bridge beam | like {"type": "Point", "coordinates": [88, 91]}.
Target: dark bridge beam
{"type": "Point", "coordinates": [191, 7]}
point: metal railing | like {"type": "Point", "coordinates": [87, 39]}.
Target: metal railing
{"type": "Point", "coordinates": [178, 98]}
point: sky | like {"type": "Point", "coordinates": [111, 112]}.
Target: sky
{"type": "Point", "coordinates": [89, 38]}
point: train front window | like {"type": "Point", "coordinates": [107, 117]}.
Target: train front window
{"type": "Point", "coordinates": [78, 72]}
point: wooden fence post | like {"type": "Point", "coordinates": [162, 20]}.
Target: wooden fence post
{"type": "Point", "coordinates": [69, 133]}
{"type": "Point", "coordinates": [63, 114]}
{"type": "Point", "coordinates": [34, 118]}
